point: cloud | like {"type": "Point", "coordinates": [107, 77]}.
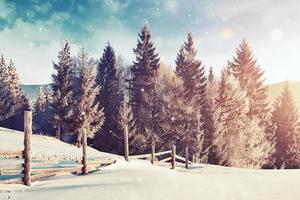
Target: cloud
{"type": "Point", "coordinates": [6, 10]}
{"type": "Point", "coordinates": [116, 6]}
{"type": "Point", "coordinates": [33, 46]}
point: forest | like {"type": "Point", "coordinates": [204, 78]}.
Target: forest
{"type": "Point", "coordinates": [224, 120]}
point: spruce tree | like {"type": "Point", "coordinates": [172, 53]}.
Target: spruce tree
{"type": "Point", "coordinates": [245, 68]}
{"type": "Point", "coordinates": [85, 110]}
{"type": "Point", "coordinates": [285, 117]}
{"type": "Point", "coordinates": [175, 118]}
{"type": "Point", "coordinates": [142, 83]}
{"type": "Point", "coordinates": [111, 97]}
{"type": "Point", "coordinates": [192, 72]}
{"type": "Point", "coordinates": [231, 108]}
{"type": "Point", "coordinates": [6, 100]}
{"type": "Point", "coordinates": [20, 102]}
{"type": "Point", "coordinates": [238, 140]}
{"type": "Point", "coordinates": [42, 112]}
{"type": "Point", "coordinates": [62, 91]}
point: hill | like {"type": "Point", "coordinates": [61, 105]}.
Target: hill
{"type": "Point", "coordinates": [275, 91]}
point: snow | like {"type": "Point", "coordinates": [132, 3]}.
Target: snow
{"type": "Point", "coordinates": [139, 179]}
{"type": "Point", "coordinates": [44, 147]}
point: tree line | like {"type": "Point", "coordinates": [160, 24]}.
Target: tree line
{"type": "Point", "coordinates": [224, 120]}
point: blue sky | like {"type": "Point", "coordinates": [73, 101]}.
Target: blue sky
{"type": "Point", "coordinates": [32, 31]}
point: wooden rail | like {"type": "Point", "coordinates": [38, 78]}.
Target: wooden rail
{"type": "Point", "coordinates": [27, 170]}
{"type": "Point", "coordinates": [11, 154]}
{"type": "Point", "coordinates": [173, 157]}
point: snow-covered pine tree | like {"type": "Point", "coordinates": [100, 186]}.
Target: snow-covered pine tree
{"type": "Point", "coordinates": [192, 72]}
{"type": "Point", "coordinates": [142, 82]}
{"type": "Point", "coordinates": [111, 97]}
{"type": "Point", "coordinates": [245, 68]}
{"type": "Point", "coordinates": [285, 117]}
{"type": "Point", "coordinates": [230, 113]}
{"type": "Point", "coordinates": [20, 102]}
{"type": "Point", "coordinates": [6, 99]}
{"type": "Point", "coordinates": [239, 141]}
{"type": "Point", "coordinates": [62, 91]}
{"type": "Point", "coordinates": [253, 149]}
{"type": "Point", "coordinates": [175, 118]}
{"type": "Point", "coordinates": [85, 111]}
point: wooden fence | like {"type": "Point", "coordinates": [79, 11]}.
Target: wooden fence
{"type": "Point", "coordinates": [173, 158]}
{"type": "Point", "coordinates": [29, 171]}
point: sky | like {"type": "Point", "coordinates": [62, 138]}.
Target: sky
{"type": "Point", "coordinates": [33, 31]}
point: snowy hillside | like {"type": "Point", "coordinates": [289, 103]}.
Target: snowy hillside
{"type": "Point", "coordinates": [44, 147]}
{"type": "Point", "coordinates": [141, 180]}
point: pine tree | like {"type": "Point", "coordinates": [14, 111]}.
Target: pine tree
{"type": "Point", "coordinates": [85, 111]}
{"type": "Point", "coordinates": [42, 112]}
{"type": "Point", "coordinates": [6, 99]}
{"type": "Point", "coordinates": [141, 83]}
{"type": "Point", "coordinates": [231, 106]}
{"type": "Point", "coordinates": [20, 102]}
{"type": "Point", "coordinates": [285, 117]}
{"type": "Point", "coordinates": [245, 68]}
{"type": "Point", "coordinates": [192, 72]}
{"type": "Point", "coordinates": [175, 118]}
{"type": "Point", "coordinates": [62, 91]}
{"type": "Point", "coordinates": [111, 97]}
{"type": "Point", "coordinates": [238, 140]}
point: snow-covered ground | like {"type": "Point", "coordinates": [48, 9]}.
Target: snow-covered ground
{"type": "Point", "coordinates": [141, 180]}
{"type": "Point", "coordinates": [44, 147]}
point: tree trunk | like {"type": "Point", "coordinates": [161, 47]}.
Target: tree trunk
{"type": "Point", "coordinates": [126, 145]}
{"type": "Point", "coordinates": [58, 129]}
{"type": "Point", "coordinates": [84, 152]}
{"type": "Point", "coordinates": [79, 139]}
{"type": "Point", "coordinates": [152, 151]}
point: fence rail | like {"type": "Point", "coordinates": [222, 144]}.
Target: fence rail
{"type": "Point", "coordinates": [173, 157]}
{"type": "Point", "coordinates": [32, 171]}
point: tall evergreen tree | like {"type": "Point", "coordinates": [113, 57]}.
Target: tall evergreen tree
{"type": "Point", "coordinates": [85, 111]}
{"type": "Point", "coordinates": [245, 68]}
{"type": "Point", "coordinates": [6, 99]}
{"type": "Point", "coordinates": [239, 141]}
{"type": "Point", "coordinates": [285, 117]}
{"type": "Point", "coordinates": [141, 83]}
{"type": "Point", "coordinates": [192, 72]}
{"type": "Point", "coordinates": [231, 107]}
{"type": "Point", "coordinates": [111, 97]}
{"type": "Point", "coordinates": [62, 90]}
{"type": "Point", "coordinates": [42, 112]}
{"type": "Point", "coordinates": [20, 102]}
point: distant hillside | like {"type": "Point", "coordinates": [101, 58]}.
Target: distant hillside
{"type": "Point", "coordinates": [31, 91]}
{"type": "Point", "coordinates": [275, 91]}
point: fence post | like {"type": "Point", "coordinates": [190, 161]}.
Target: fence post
{"type": "Point", "coordinates": [186, 157]}
{"type": "Point", "coordinates": [173, 156]}
{"type": "Point", "coordinates": [84, 152]}
{"type": "Point", "coordinates": [126, 144]}
{"type": "Point", "coordinates": [27, 146]}
{"type": "Point", "coordinates": [152, 152]}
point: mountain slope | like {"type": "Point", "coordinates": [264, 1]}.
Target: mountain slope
{"type": "Point", "coordinates": [275, 91]}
